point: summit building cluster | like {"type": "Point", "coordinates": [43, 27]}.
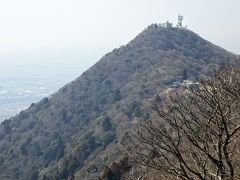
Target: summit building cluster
{"type": "Point", "coordinates": [170, 25]}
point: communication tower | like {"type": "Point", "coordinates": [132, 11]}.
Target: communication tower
{"type": "Point", "coordinates": [180, 20]}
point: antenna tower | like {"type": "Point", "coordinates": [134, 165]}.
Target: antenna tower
{"type": "Point", "coordinates": [180, 20]}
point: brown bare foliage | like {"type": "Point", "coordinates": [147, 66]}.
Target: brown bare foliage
{"type": "Point", "coordinates": [197, 133]}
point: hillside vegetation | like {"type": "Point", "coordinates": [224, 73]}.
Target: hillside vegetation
{"type": "Point", "coordinates": [78, 130]}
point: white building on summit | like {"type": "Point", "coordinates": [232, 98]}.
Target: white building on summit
{"type": "Point", "coordinates": [170, 25]}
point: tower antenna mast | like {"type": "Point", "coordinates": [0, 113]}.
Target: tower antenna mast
{"type": "Point", "coordinates": [180, 20]}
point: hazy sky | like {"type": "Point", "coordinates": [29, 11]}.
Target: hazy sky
{"type": "Point", "coordinates": [42, 34]}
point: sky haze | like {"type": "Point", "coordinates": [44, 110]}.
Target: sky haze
{"type": "Point", "coordinates": [79, 32]}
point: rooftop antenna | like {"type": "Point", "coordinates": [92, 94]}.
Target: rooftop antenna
{"type": "Point", "coordinates": [180, 20]}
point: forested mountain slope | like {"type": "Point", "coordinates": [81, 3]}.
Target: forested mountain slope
{"type": "Point", "coordinates": [76, 131]}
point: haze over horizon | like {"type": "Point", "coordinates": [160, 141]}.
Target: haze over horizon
{"type": "Point", "coordinates": [54, 33]}
{"type": "Point", "coordinates": [57, 40]}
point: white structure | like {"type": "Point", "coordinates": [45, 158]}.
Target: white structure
{"type": "Point", "coordinates": [166, 25]}
{"type": "Point", "coordinates": [180, 20]}
{"type": "Point", "coordinates": [190, 84]}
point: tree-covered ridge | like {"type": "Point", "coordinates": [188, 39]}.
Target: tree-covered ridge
{"type": "Point", "coordinates": [76, 131]}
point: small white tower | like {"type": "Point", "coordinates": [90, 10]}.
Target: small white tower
{"type": "Point", "coordinates": [180, 20]}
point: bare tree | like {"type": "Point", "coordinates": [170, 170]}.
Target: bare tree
{"type": "Point", "coordinates": [196, 134]}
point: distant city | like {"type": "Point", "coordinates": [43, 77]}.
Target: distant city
{"type": "Point", "coordinates": [17, 94]}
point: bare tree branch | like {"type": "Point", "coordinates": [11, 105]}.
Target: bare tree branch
{"type": "Point", "coordinates": [196, 134]}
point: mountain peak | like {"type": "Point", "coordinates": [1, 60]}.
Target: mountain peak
{"type": "Point", "coordinates": [79, 129]}
{"type": "Point", "coordinates": [169, 38]}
